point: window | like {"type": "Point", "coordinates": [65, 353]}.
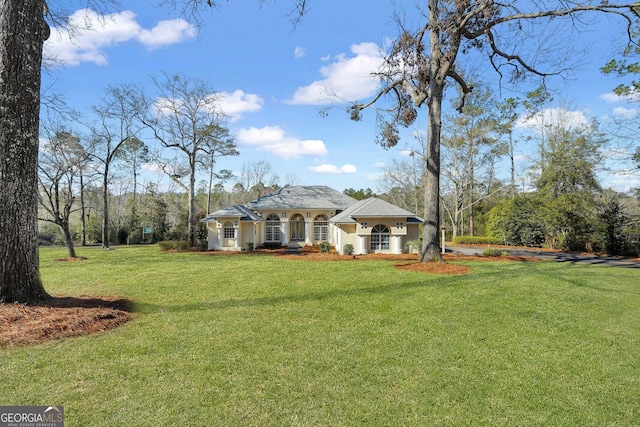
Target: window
{"type": "Point", "coordinates": [229, 232]}
{"type": "Point", "coordinates": [320, 228]}
{"type": "Point", "coordinates": [380, 238]}
{"type": "Point", "coordinates": [273, 228]}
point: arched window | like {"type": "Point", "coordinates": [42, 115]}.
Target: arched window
{"type": "Point", "coordinates": [380, 238]}
{"type": "Point", "coordinates": [321, 228]}
{"type": "Point", "coordinates": [273, 228]}
{"type": "Point", "coordinates": [229, 231]}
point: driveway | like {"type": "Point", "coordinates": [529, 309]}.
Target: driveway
{"type": "Point", "coordinates": [586, 259]}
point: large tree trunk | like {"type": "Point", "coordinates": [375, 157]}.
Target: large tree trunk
{"type": "Point", "coordinates": [431, 238]}
{"type": "Point", "coordinates": [22, 34]}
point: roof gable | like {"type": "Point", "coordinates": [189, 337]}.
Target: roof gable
{"type": "Point", "coordinates": [234, 211]}
{"type": "Point", "coordinates": [373, 208]}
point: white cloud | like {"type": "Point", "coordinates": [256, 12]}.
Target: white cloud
{"type": "Point", "coordinates": [299, 52]}
{"type": "Point", "coordinates": [610, 97]}
{"type": "Point", "coordinates": [89, 33]}
{"type": "Point", "coordinates": [554, 117]}
{"type": "Point", "coordinates": [626, 113]}
{"type": "Point", "coordinates": [624, 180]}
{"type": "Point", "coordinates": [613, 98]}
{"type": "Point", "coordinates": [333, 169]}
{"type": "Point", "coordinates": [380, 165]}
{"type": "Point", "coordinates": [274, 140]}
{"type": "Point", "coordinates": [238, 102]}
{"type": "Point", "coordinates": [166, 33]}
{"type": "Point", "coordinates": [346, 78]}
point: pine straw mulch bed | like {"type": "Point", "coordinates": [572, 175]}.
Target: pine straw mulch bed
{"type": "Point", "coordinates": [60, 317]}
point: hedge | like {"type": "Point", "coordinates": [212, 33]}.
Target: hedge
{"type": "Point", "coordinates": [476, 240]}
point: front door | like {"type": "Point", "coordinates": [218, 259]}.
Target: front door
{"type": "Point", "coordinates": [296, 224]}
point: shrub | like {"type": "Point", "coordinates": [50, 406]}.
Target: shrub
{"type": "Point", "coordinates": [248, 246]}
{"type": "Point", "coordinates": [413, 246]}
{"type": "Point", "coordinates": [123, 236]}
{"type": "Point", "coordinates": [347, 249]}
{"type": "Point", "coordinates": [174, 245]}
{"type": "Point", "coordinates": [476, 240]}
{"type": "Point", "coordinates": [325, 247]}
{"type": "Point", "coordinates": [494, 252]}
{"type": "Point", "coordinates": [271, 245]}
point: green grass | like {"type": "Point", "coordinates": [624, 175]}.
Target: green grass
{"type": "Point", "coordinates": [265, 341]}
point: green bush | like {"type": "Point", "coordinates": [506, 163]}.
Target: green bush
{"type": "Point", "coordinates": [248, 246]}
{"type": "Point", "coordinates": [494, 252]}
{"type": "Point", "coordinates": [413, 246]}
{"type": "Point", "coordinates": [347, 249]}
{"type": "Point", "coordinates": [271, 245]}
{"type": "Point", "coordinates": [325, 247]}
{"type": "Point", "coordinates": [174, 245]}
{"type": "Point", "coordinates": [476, 240]}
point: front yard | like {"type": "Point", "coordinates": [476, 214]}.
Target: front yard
{"type": "Point", "coordinates": [268, 340]}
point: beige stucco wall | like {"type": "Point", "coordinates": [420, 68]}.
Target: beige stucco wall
{"type": "Point", "coordinates": [285, 215]}
{"type": "Point", "coordinates": [359, 235]}
{"type": "Point", "coordinates": [338, 236]}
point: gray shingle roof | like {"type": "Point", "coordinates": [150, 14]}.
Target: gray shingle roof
{"type": "Point", "coordinates": [303, 197]}
{"type": "Point", "coordinates": [234, 211]}
{"type": "Point", "coordinates": [373, 207]}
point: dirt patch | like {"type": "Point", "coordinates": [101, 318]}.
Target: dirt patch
{"type": "Point", "coordinates": [71, 258]}
{"type": "Point", "coordinates": [433, 267]}
{"type": "Point", "coordinates": [60, 317]}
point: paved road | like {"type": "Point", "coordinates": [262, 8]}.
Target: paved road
{"type": "Point", "coordinates": [589, 259]}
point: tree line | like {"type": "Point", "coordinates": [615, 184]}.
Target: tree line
{"type": "Point", "coordinates": [516, 39]}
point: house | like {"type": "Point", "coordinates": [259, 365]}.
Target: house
{"type": "Point", "coordinates": [307, 215]}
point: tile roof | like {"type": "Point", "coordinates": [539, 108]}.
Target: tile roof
{"type": "Point", "coordinates": [373, 207]}
{"type": "Point", "coordinates": [303, 197]}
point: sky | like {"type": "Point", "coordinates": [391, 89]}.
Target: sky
{"type": "Point", "coordinates": [274, 79]}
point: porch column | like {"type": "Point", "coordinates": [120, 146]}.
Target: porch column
{"type": "Point", "coordinates": [255, 235]}
{"type": "Point", "coordinates": [396, 247]}
{"type": "Point", "coordinates": [219, 235]}
{"type": "Point", "coordinates": [362, 245]}
{"type": "Point", "coordinates": [284, 227]}
{"type": "Point", "coordinates": [307, 233]}
{"type": "Point", "coordinates": [236, 227]}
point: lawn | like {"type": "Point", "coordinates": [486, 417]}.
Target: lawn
{"type": "Point", "coordinates": [262, 340]}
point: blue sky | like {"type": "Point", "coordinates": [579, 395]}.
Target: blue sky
{"type": "Point", "coordinates": [274, 78]}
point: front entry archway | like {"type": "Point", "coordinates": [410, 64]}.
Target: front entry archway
{"type": "Point", "coordinates": [296, 228]}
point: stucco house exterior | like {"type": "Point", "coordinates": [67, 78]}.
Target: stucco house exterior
{"type": "Point", "coordinates": [308, 215]}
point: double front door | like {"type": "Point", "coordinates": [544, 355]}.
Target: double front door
{"type": "Point", "coordinates": [296, 228]}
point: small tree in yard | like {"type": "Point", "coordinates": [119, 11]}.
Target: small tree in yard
{"type": "Point", "coordinates": [422, 62]}
{"type": "Point", "coordinates": [61, 160]}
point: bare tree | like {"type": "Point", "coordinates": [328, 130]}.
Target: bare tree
{"type": "Point", "coordinates": [422, 62]}
{"type": "Point", "coordinates": [115, 126]}
{"type": "Point", "coordinates": [61, 159]}
{"type": "Point", "coordinates": [186, 117]}
{"type": "Point", "coordinates": [257, 179]}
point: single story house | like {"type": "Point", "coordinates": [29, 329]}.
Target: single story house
{"type": "Point", "coordinates": [308, 215]}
